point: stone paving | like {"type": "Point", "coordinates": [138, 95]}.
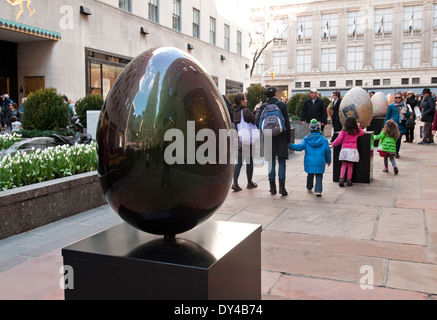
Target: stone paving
{"type": "Point", "coordinates": [368, 241]}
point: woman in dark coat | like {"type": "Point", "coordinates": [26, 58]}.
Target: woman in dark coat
{"type": "Point", "coordinates": [280, 144]}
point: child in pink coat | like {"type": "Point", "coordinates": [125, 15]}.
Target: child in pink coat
{"type": "Point", "coordinates": [349, 151]}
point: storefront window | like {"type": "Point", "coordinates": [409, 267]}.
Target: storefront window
{"type": "Point", "coordinates": [102, 71]}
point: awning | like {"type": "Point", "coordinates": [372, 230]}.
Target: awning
{"type": "Point", "coordinates": [25, 33]}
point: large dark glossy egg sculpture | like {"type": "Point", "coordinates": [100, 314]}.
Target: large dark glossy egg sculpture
{"type": "Point", "coordinates": [161, 90]}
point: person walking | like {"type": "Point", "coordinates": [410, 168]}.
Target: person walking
{"type": "Point", "coordinates": [241, 110]}
{"type": "Point", "coordinates": [333, 111]}
{"type": "Point", "coordinates": [317, 156]}
{"type": "Point", "coordinates": [428, 112]}
{"type": "Point", "coordinates": [279, 143]}
{"type": "Point", "coordinates": [314, 108]}
{"type": "Point", "coordinates": [349, 150]}
{"type": "Point", "coordinates": [399, 113]}
{"type": "Point", "coordinates": [411, 122]}
{"type": "Point", "coordinates": [387, 145]}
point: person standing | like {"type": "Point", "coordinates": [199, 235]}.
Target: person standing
{"type": "Point", "coordinates": [334, 110]}
{"type": "Point", "coordinates": [349, 149]}
{"type": "Point", "coordinates": [387, 145]}
{"type": "Point", "coordinates": [428, 112]}
{"type": "Point", "coordinates": [279, 143]}
{"type": "Point", "coordinates": [411, 122]}
{"type": "Point", "coordinates": [317, 156]}
{"type": "Point", "coordinates": [314, 108]}
{"type": "Point", "coordinates": [399, 112]}
{"type": "Point", "coordinates": [241, 110]}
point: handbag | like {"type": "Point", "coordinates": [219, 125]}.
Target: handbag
{"type": "Point", "coordinates": [248, 133]}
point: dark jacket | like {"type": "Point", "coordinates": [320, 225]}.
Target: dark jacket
{"type": "Point", "coordinates": [428, 109]}
{"type": "Point", "coordinates": [247, 114]}
{"type": "Point", "coordinates": [312, 111]}
{"type": "Point", "coordinates": [336, 123]}
{"type": "Point", "coordinates": [281, 142]}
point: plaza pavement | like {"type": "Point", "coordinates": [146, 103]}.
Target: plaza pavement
{"type": "Point", "coordinates": [382, 235]}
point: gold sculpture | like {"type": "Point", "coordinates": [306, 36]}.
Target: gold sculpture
{"type": "Point", "coordinates": [21, 3]}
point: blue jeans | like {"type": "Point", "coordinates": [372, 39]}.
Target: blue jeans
{"type": "Point", "coordinates": [281, 169]}
{"type": "Point", "coordinates": [319, 182]}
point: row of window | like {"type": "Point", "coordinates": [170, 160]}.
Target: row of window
{"type": "Point", "coordinates": [412, 23]}
{"type": "Point", "coordinates": [177, 22]}
{"type": "Point", "coordinates": [359, 83]}
{"type": "Point", "coordinates": [382, 58]}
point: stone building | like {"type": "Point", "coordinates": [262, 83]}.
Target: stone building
{"type": "Point", "coordinates": [80, 47]}
{"type": "Point", "coordinates": [379, 45]}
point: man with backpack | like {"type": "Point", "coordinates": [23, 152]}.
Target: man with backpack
{"type": "Point", "coordinates": [276, 126]}
{"type": "Point", "coordinates": [314, 108]}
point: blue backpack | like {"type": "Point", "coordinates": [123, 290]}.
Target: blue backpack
{"type": "Point", "coordinates": [272, 119]}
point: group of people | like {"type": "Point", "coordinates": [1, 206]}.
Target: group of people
{"type": "Point", "coordinates": [10, 115]}
{"type": "Point", "coordinates": [399, 121]}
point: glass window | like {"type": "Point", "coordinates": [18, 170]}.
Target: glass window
{"type": "Point", "coordinates": [298, 85]}
{"type": "Point", "coordinates": [177, 15]}
{"type": "Point", "coordinates": [153, 10]}
{"type": "Point", "coordinates": [323, 84]}
{"type": "Point", "coordinates": [383, 20]}
{"type": "Point", "coordinates": [411, 55]}
{"type": "Point", "coordinates": [212, 30]}
{"type": "Point", "coordinates": [329, 25]}
{"type": "Point", "coordinates": [196, 23]}
{"type": "Point", "coordinates": [434, 15]}
{"type": "Point", "coordinates": [386, 82]}
{"type": "Point", "coordinates": [125, 5]}
{"type": "Point", "coordinates": [349, 83]}
{"type": "Point", "coordinates": [356, 23]}
{"type": "Point", "coordinates": [413, 18]}
{"type": "Point", "coordinates": [355, 58]}
{"type": "Point", "coordinates": [376, 82]}
{"type": "Point", "coordinates": [239, 43]}
{"type": "Point", "coordinates": [382, 57]}
{"type": "Point", "coordinates": [405, 81]}
{"type": "Point", "coordinates": [307, 84]}
{"type": "Point", "coordinates": [280, 61]}
{"type": "Point", "coordinates": [434, 54]}
{"type": "Point", "coordinates": [259, 66]}
{"type": "Point", "coordinates": [227, 37]}
{"type": "Point", "coordinates": [329, 60]}
{"type": "Point", "coordinates": [102, 70]}
{"type": "Point", "coordinates": [332, 83]}
{"type": "Point", "coordinates": [303, 61]}
{"type": "Point", "coordinates": [304, 27]}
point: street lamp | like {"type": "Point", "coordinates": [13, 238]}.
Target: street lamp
{"type": "Point", "coordinates": [271, 71]}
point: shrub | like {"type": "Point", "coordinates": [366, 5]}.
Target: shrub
{"type": "Point", "coordinates": [90, 102]}
{"type": "Point", "coordinates": [254, 94]}
{"type": "Point", "coordinates": [295, 104]}
{"type": "Point", "coordinates": [45, 110]}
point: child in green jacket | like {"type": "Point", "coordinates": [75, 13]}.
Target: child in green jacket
{"type": "Point", "coordinates": [387, 146]}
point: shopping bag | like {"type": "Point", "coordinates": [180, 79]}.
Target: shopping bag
{"type": "Point", "coordinates": [248, 133]}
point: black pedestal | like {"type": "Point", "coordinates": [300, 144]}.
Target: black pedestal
{"type": "Point", "coordinates": [376, 126]}
{"type": "Point", "coordinates": [363, 170]}
{"type": "Point", "coordinates": [217, 261]}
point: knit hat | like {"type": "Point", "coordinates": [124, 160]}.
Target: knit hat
{"type": "Point", "coordinates": [314, 126]}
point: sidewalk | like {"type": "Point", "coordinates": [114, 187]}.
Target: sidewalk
{"type": "Point", "coordinates": [382, 234]}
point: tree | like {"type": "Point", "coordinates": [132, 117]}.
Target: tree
{"type": "Point", "coordinates": [262, 37]}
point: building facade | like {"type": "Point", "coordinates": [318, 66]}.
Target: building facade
{"type": "Point", "coordinates": [379, 45]}
{"type": "Point", "coordinates": [80, 47]}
